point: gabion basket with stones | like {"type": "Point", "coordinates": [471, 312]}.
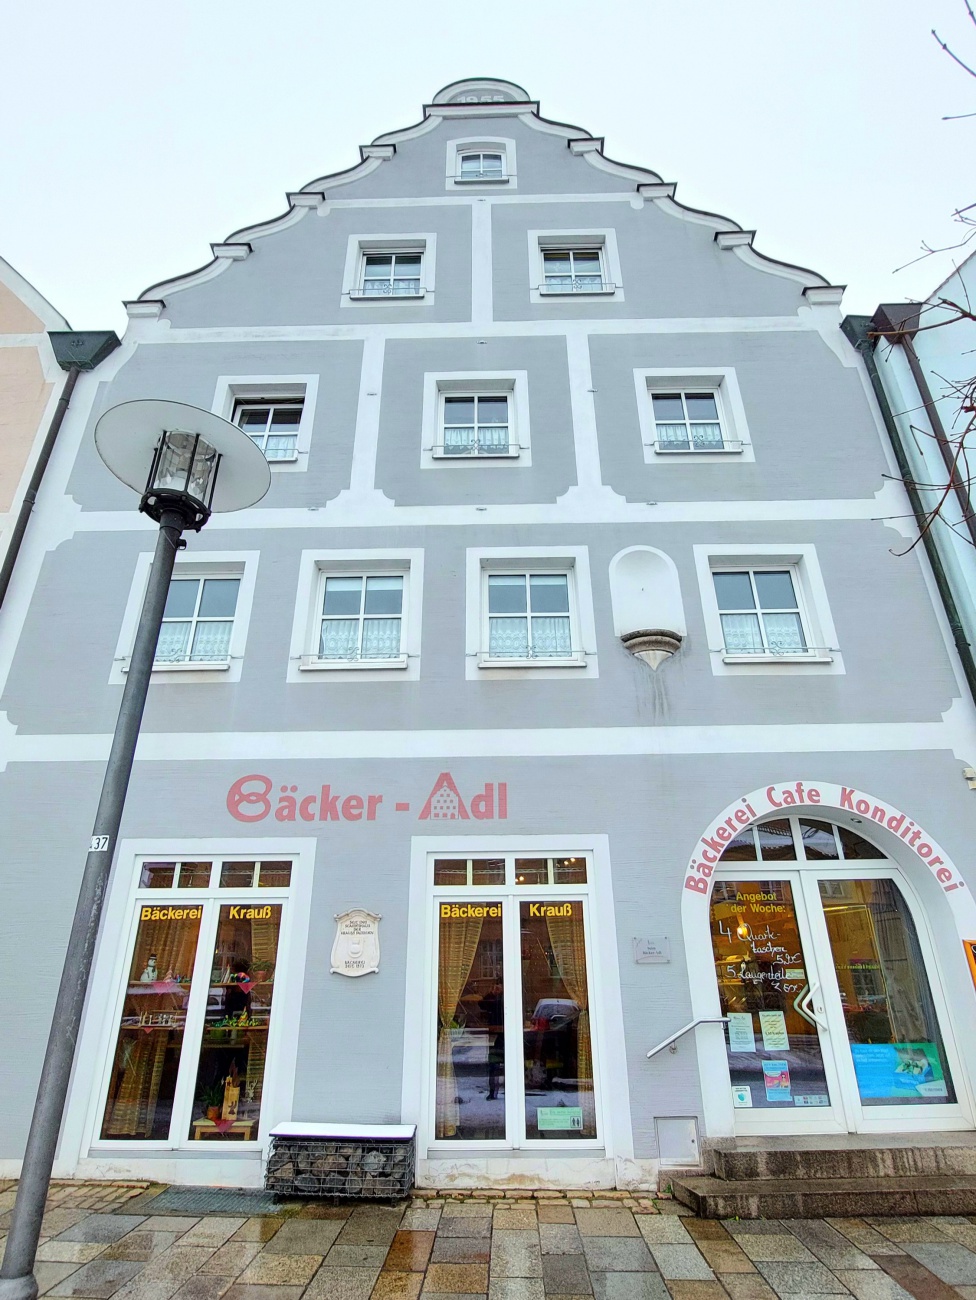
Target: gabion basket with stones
{"type": "Point", "coordinates": [330, 1167]}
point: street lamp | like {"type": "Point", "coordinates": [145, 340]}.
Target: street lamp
{"type": "Point", "coordinates": [186, 464]}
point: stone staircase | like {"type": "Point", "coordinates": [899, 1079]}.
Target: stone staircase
{"type": "Point", "coordinates": [833, 1176]}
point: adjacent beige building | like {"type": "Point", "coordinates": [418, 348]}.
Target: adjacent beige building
{"type": "Point", "coordinates": [31, 382]}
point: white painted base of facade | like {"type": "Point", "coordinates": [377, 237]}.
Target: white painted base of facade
{"type": "Point", "coordinates": [594, 1173]}
{"type": "Point", "coordinates": [247, 1172]}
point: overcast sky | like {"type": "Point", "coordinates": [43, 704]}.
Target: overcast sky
{"type": "Point", "coordinates": [137, 132]}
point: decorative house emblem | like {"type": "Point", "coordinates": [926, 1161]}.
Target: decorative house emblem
{"type": "Point", "coordinates": [356, 950]}
{"type": "Point", "coordinates": [445, 802]}
{"type": "Point", "coordinates": [652, 644]}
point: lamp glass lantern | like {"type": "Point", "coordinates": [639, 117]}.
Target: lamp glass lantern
{"type": "Point", "coordinates": [197, 462]}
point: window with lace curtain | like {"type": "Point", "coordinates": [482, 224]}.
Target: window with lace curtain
{"type": "Point", "coordinates": [360, 619]}
{"type": "Point", "coordinates": [198, 620]}
{"type": "Point", "coordinates": [529, 617]}
{"type": "Point", "coordinates": [760, 612]}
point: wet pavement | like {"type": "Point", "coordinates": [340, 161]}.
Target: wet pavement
{"type": "Point", "coordinates": [103, 1240]}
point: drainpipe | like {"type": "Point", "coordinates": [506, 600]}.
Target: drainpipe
{"type": "Point", "coordinates": [858, 331]}
{"type": "Point", "coordinates": [74, 353]}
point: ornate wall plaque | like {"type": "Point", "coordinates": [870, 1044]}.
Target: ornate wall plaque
{"type": "Point", "coordinates": [356, 950]}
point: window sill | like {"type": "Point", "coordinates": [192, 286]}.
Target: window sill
{"type": "Point", "coordinates": [195, 667]}
{"type": "Point", "coordinates": [606, 292]}
{"type": "Point", "coordinates": [821, 657]}
{"type": "Point", "coordinates": [571, 661]}
{"type": "Point", "coordinates": [728, 449]}
{"type": "Point", "coordinates": [481, 180]}
{"type": "Point", "coordinates": [356, 665]}
{"type": "Point", "coordinates": [282, 460]}
{"type": "Point", "coordinates": [387, 297]}
{"type": "Point", "coordinates": [438, 454]}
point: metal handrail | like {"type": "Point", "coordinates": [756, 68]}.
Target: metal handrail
{"type": "Point", "coordinates": [692, 1024]}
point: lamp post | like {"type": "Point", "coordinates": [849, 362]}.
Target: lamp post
{"type": "Point", "coordinates": [185, 463]}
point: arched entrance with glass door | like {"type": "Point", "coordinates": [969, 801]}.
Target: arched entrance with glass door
{"type": "Point", "coordinates": [825, 971]}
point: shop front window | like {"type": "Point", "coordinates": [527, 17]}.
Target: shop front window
{"type": "Point", "coordinates": [191, 1049]}
{"type": "Point", "coordinates": [149, 1045]}
{"type": "Point", "coordinates": [894, 1036]}
{"type": "Point", "coordinates": [514, 1055]}
{"type": "Point", "coordinates": [230, 1075]}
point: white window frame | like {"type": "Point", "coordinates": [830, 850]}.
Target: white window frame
{"type": "Point", "coordinates": [360, 246]}
{"type": "Point", "coordinates": [206, 564]}
{"type": "Point", "coordinates": [723, 383]}
{"type": "Point", "coordinates": [315, 567]}
{"type": "Point", "coordinates": [479, 383]}
{"type": "Point", "coordinates": [604, 240]}
{"type": "Point", "coordinates": [823, 656]}
{"type": "Point", "coordinates": [232, 390]}
{"type": "Point", "coordinates": [571, 560]}
{"type": "Point", "coordinates": [456, 149]}
{"type": "Point", "coordinates": [98, 1157]}
{"type": "Point", "coordinates": [606, 1013]}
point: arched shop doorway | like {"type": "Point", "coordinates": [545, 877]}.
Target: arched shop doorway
{"type": "Point", "coordinates": [822, 961]}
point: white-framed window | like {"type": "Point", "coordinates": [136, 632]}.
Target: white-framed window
{"type": "Point", "coordinates": [389, 268]}
{"type": "Point", "coordinates": [573, 264]}
{"type": "Point", "coordinates": [358, 614]}
{"type": "Point", "coordinates": [476, 416]}
{"type": "Point", "coordinates": [693, 412]}
{"type": "Point", "coordinates": [273, 426]}
{"type": "Point", "coordinates": [205, 619]}
{"type": "Point", "coordinates": [276, 411]}
{"type": "Point", "coordinates": [480, 161]}
{"type": "Point", "coordinates": [515, 929]}
{"type": "Point", "coordinates": [361, 619]}
{"type": "Point", "coordinates": [766, 610]}
{"type": "Point", "coordinates": [760, 611]}
{"type": "Point", "coordinates": [198, 620]}
{"type": "Point", "coordinates": [527, 980]}
{"type": "Point", "coordinates": [529, 611]}
{"type": "Point", "coordinates": [186, 1042]}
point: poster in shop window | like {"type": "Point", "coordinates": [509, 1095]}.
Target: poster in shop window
{"type": "Point", "coordinates": [909, 1070]}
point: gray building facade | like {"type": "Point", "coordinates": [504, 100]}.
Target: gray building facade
{"type": "Point", "coordinates": [419, 829]}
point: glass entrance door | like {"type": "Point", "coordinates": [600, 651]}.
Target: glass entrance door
{"type": "Point", "coordinates": [781, 1066]}
{"type": "Point", "coordinates": [896, 1059]}
{"type": "Point", "coordinates": [828, 985]}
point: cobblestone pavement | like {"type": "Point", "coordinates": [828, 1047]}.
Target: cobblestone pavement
{"type": "Point", "coordinates": [103, 1240]}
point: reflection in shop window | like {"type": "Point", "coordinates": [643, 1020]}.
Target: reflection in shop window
{"type": "Point", "coordinates": [896, 1044]}
{"type": "Point", "coordinates": [556, 1051]}
{"type": "Point", "coordinates": [470, 1023]}
{"type": "Point", "coordinates": [230, 1074]}
{"type": "Point", "coordinates": [142, 1085]}
{"type": "Point", "coordinates": [178, 1025]}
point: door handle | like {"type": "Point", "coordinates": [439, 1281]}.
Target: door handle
{"type": "Point", "coordinates": [809, 1010]}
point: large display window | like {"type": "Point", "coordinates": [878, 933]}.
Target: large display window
{"type": "Point", "coordinates": [514, 1053]}
{"type": "Point", "coordinates": [195, 1014]}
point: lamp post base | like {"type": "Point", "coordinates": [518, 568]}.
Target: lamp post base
{"type": "Point", "coordinates": [18, 1288]}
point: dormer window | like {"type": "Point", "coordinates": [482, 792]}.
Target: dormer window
{"type": "Point", "coordinates": [480, 160]}
{"type": "Point", "coordinates": [482, 167]}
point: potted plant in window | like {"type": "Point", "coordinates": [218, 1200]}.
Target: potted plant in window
{"type": "Point", "coordinates": [212, 1100]}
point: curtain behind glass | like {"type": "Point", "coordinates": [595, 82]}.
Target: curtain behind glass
{"type": "Point", "coordinates": [458, 944]}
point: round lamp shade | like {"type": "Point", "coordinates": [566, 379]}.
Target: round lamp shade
{"type": "Point", "coordinates": [127, 435]}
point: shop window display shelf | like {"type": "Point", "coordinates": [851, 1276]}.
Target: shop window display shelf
{"type": "Point", "coordinates": [361, 1161]}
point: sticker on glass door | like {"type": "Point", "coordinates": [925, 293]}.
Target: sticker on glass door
{"type": "Point", "coordinates": [774, 1051]}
